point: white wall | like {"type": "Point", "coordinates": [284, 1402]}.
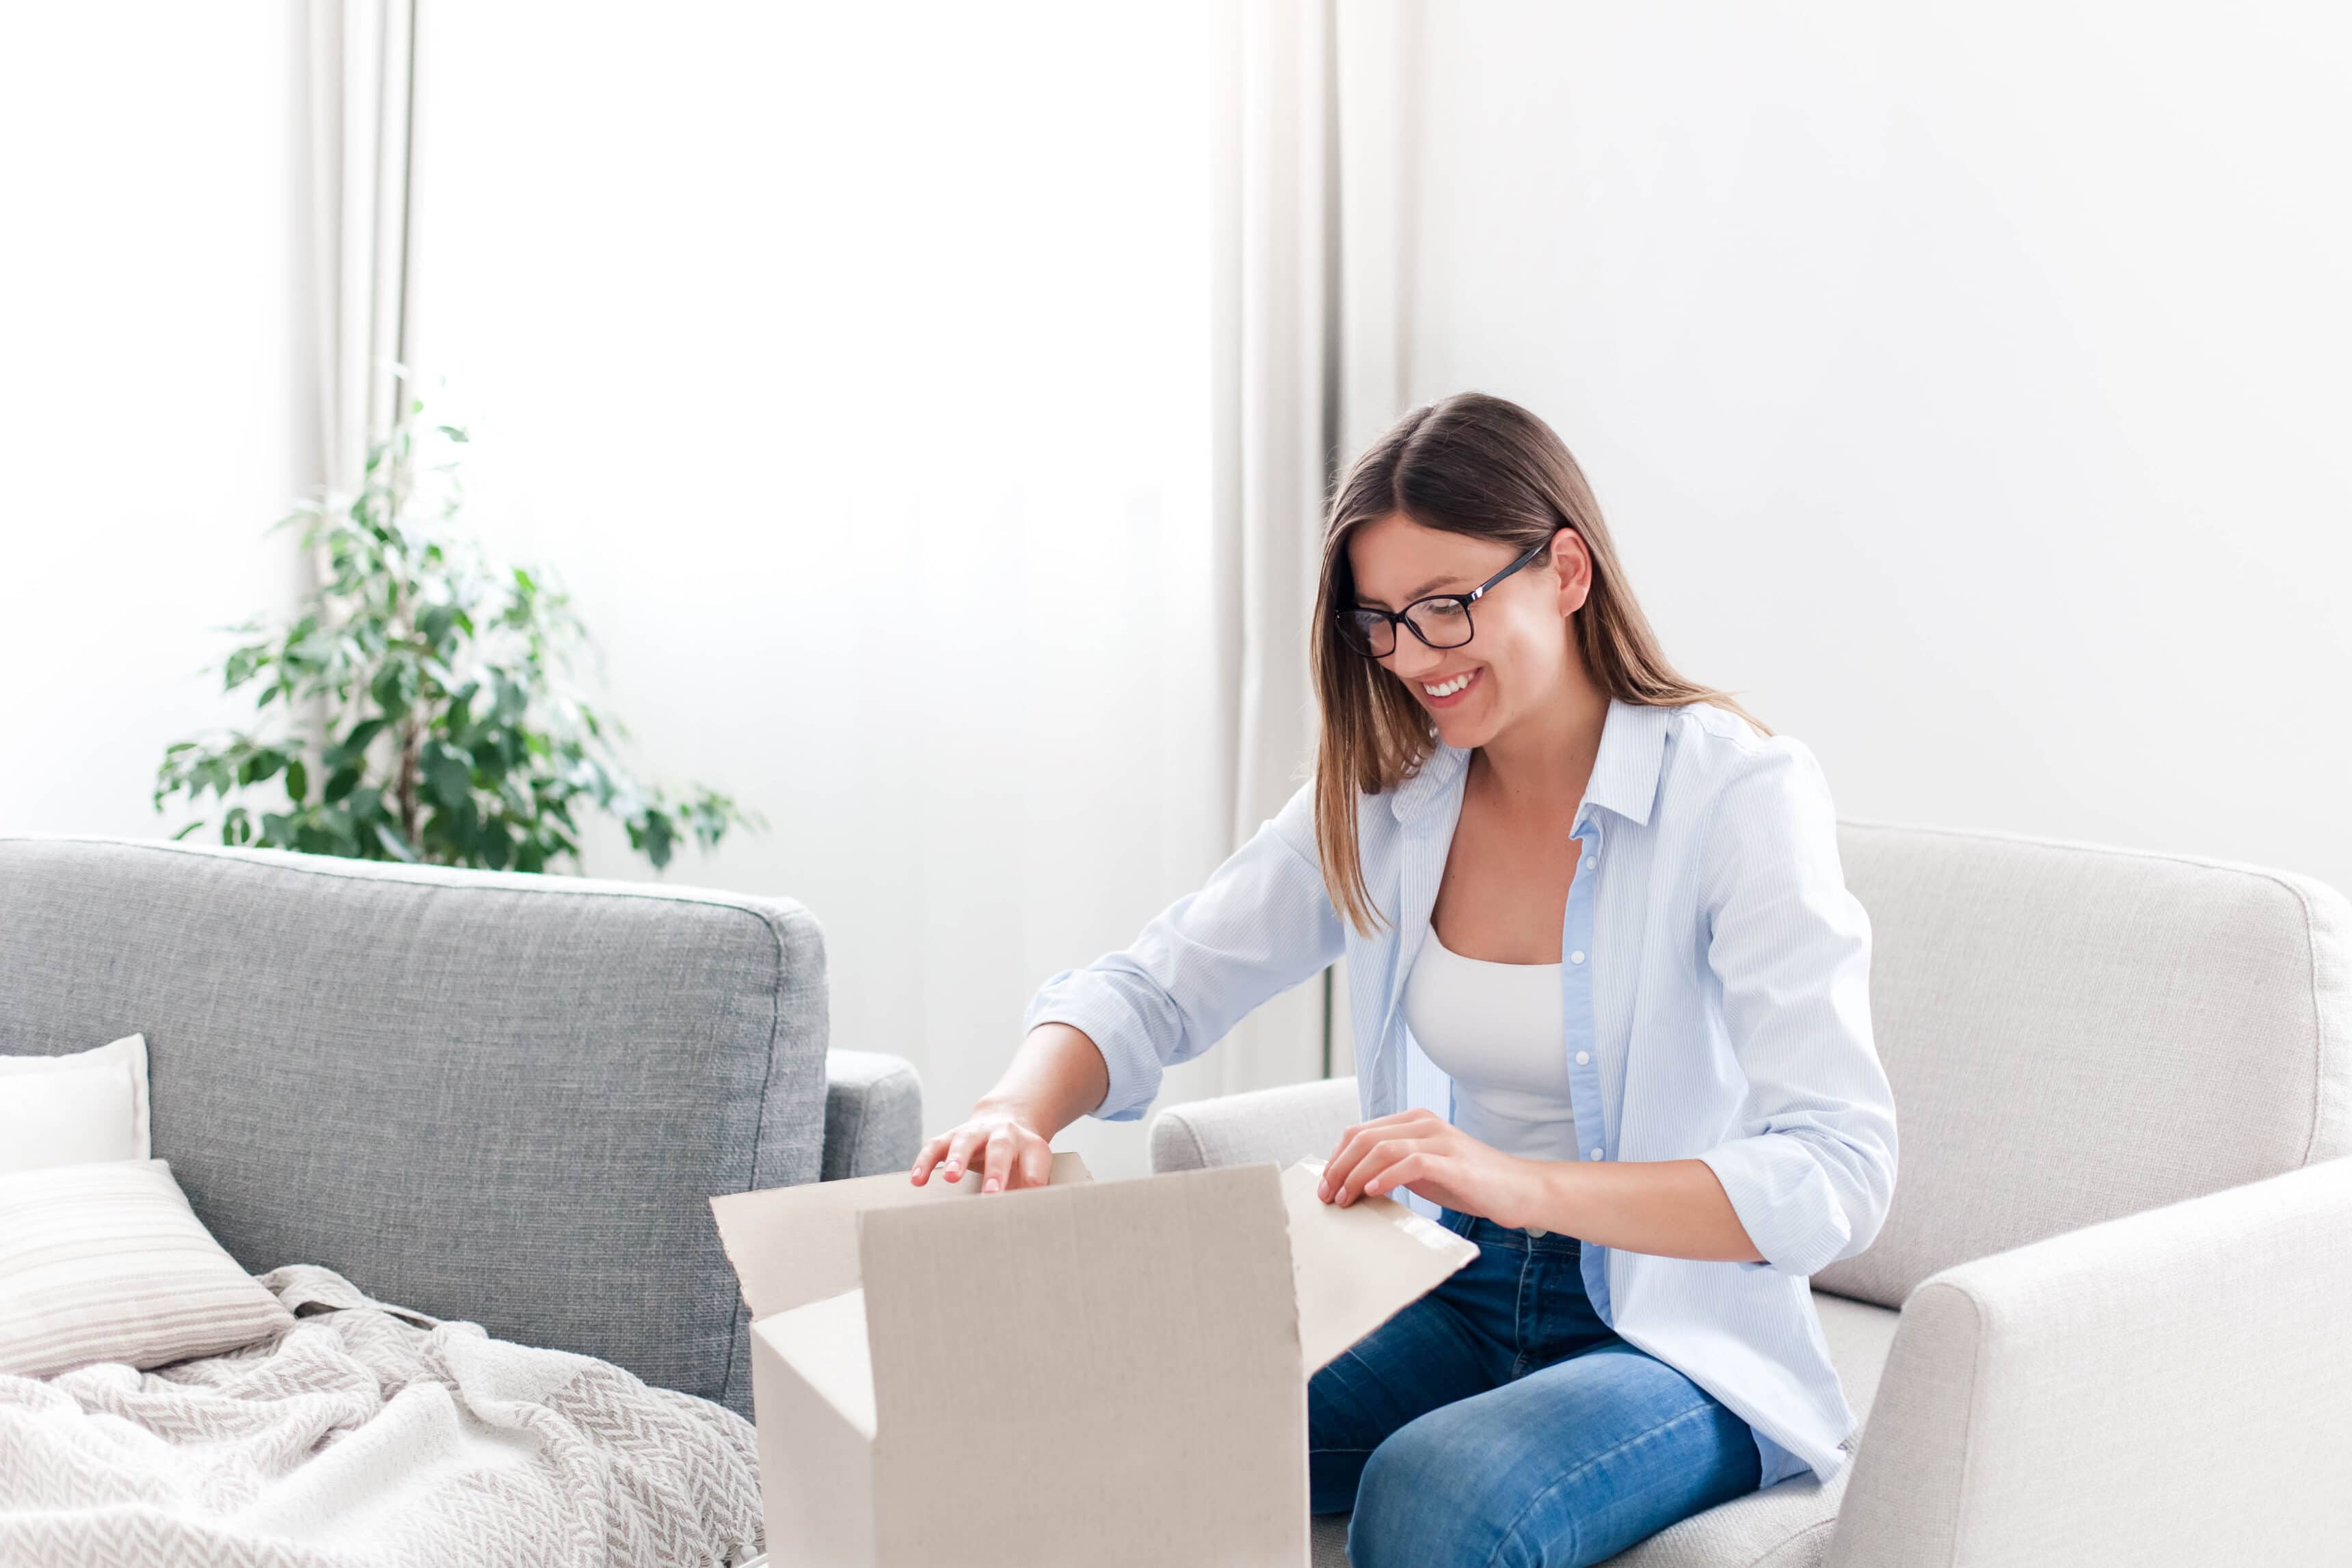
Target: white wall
{"type": "Point", "coordinates": [150, 296]}
{"type": "Point", "coordinates": [1965, 383]}
{"type": "Point", "coordinates": [850, 366]}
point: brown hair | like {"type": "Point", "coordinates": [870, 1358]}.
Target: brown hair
{"type": "Point", "coordinates": [1478, 466]}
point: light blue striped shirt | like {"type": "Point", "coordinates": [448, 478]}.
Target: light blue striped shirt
{"type": "Point", "coordinates": [1716, 980]}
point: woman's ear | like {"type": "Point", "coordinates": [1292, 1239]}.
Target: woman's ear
{"type": "Point", "coordinates": [1573, 563]}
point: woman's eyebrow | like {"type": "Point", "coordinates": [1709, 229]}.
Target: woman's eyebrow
{"type": "Point", "coordinates": [1425, 588]}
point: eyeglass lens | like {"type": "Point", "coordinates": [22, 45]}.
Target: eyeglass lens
{"type": "Point", "coordinates": [1439, 622]}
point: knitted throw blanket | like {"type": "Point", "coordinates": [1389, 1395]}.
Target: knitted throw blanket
{"type": "Point", "coordinates": [368, 1436]}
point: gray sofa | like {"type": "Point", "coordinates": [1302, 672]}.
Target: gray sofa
{"type": "Point", "coordinates": [2109, 1317]}
{"type": "Point", "coordinates": [500, 1098]}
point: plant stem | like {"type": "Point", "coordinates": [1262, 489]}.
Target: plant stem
{"type": "Point", "coordinates": [404, 787]}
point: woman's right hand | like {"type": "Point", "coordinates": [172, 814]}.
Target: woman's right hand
{"type": "Point", "coordinates": [1056, 1076]}
{"type": "Point", "coordinates": [999, 1143]}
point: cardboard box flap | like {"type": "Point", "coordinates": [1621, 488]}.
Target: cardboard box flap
{"type": "Point", "coordinates": [794, 1245]}
{"type": "Point", "coordinates": [1359, 1266]}
{"type": "Point", "coordinates": [1046, 1356]}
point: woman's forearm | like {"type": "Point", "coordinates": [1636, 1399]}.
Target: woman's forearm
{"type": "Point", "coordinates": [1670, 1208]}
{"type": "Point", "coordinates": [1056, 1076]}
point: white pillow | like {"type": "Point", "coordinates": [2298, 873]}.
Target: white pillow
{"type": "Point", "coordinates": [108, 1262]}
{"type": "Point", "coordinates": [68, 1110]}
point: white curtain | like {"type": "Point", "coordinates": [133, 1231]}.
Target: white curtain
{"type": "Point", "coordinates": [1378, 156]}
{"type": "Point", "coordinates": [361, 92]}
{"type": "Point", "coordinates": [1276, 299]}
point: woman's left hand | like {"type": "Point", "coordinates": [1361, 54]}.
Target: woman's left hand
{"type": "Point", "coordinates": [1423, 1151]}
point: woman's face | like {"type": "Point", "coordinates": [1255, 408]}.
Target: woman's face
{"type": "Point", "coordinates": [1519, 655]}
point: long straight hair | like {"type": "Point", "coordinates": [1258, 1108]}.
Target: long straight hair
{"type": "Point", "coordinates": [1486, 468]}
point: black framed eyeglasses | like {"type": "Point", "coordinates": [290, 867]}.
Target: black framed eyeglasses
{"type": "Point", "coordinates": [1440, 620]}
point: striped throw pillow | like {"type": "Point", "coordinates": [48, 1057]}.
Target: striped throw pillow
{"type": "Point", "coordinates": [107, 1262]}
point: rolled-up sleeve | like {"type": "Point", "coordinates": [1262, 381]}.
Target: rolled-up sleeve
{"type": "Point", "coordinates": [1262, 924]}
{"type": "Point", "coordinates": [1813, 1170]}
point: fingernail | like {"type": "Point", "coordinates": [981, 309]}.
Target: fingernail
{"type": "Point", "coordinates": [990, 1185]}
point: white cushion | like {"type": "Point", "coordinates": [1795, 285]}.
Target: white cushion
{"type": "Point", "coordinates": [69, 1109]}
{"type": "Point", "coordinates": [2076, 1033]}
{"type": "Point", "coordinates": [107, 1262]}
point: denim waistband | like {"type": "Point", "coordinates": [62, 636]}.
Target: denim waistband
{"type": "Point", "coordinates": [1486, 1233]}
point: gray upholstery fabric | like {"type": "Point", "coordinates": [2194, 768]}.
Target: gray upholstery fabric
{"type": "Point", "coordinates": [1329, 1541]}
{"type": "Point", "coordinates": [2152, 1026]}
{"type": "Point", "coordinates": [873, 1113]}
{"type": "Point", "coordinates": [500, 1098]}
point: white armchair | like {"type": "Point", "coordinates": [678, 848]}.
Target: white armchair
{"type": "Point", "coordinates": [2107, 1320]}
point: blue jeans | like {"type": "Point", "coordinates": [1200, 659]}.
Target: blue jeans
{"type": "Point", "coordinates": [1498, 1421]}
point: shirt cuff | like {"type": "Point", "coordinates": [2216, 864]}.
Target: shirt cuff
{"type": "Point", "coordinates": [1784, 1201]}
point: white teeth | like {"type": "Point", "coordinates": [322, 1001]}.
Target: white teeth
{"type": "Point", "coordinates": [1450, 688]}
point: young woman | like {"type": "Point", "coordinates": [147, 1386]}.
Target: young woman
{"type": "Point", "coordinates": [1612, 1007]}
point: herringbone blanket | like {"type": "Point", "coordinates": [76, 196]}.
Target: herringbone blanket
{"type": "Point", "coordinates": [367, 1437]}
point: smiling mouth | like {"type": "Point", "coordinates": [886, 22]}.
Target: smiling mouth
{"type": "Point", "coordinates": [1443, 694]}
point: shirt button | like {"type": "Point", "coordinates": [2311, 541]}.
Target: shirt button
{"type": "Point", "coordinates": [1583, 1057]}
{"type": "Point", "coordinates": [1595, 1154]}
{"type": "Point", "coordinates": [1576, 958]}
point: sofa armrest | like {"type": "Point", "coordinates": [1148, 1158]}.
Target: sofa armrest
{"type": "Point", "coordinates": [2174, 1386]}
{"type": "Point", "coordinates": [873, 1115]}
{"type": "Point", "coordinates": [1279, 1125]}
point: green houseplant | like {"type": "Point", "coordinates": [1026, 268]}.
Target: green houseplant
{"type": "Point", "coordinates": [422, 699]}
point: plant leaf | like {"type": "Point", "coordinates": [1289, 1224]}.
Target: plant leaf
{"type": "Point", "coordinates": [448, 773]}
{"type": "Point", "coordinates": [412, 629]}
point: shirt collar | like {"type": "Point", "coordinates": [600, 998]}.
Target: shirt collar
{"type": "Point", "coordinates": [1625, 773]}
{"type": "Point", "coordinates": [1633, 754]}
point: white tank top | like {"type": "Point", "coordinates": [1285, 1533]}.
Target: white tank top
{"type": "Point", "coordinates": [1496, 1031]}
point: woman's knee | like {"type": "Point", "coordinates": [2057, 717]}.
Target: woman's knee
{"type": "Point", "coordinates": [1425, 1501]}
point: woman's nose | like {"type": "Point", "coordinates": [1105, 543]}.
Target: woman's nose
{"type": "Point", "coordinates": [1412, 659]}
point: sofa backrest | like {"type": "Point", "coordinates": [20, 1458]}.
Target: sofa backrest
{"type": "Point", "coordinates": [2076, 1033]}
{"type": "Point", "coordinates": [506, 1099]}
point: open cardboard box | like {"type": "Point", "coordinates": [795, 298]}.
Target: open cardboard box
{"type": "Point", "coordinates": [1077, 1374]}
